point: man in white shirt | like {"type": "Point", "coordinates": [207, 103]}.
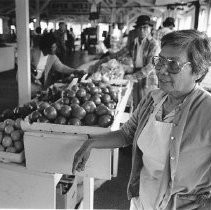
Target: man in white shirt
{"type": "Point", "coordinates": [145, 47]}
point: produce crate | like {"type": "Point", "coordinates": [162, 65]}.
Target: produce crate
{"type": "Point", "coordinates": [8, 157]}
{"type": "Point", "coordinates": [51, 147]}
{"type": "Point", "coordinates": [54, 153]}
{"type": "Point", "coordinates": [49, 127]}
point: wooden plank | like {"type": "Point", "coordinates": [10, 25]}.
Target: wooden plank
{"type": "Point", "coordinates": [22, 188]}
{"type": "Point", "coordinates": [88, 201]}
{"type": "Point", "coordinates": [54, 153]}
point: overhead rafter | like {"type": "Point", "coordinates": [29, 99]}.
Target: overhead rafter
{"type": "Point", "coordinates": [45, 4]}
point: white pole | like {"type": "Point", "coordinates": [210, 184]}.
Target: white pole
{"type": "Point", "coordinates": [24, 74]}
{"type": "Point", "coordinates": [88, 202]}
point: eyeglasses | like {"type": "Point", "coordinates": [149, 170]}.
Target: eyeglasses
{"type": "Point", "coordinates": [172, 66]}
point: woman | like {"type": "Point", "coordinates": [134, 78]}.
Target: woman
{"type": "Point", "coordinates": [169, 131]}
{"type": "Point", "coordinates": [45, 63]}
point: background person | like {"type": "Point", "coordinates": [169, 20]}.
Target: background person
{"type": "Point", "coordinates": [168, 27]}
{"type": "Point", "coordinates": [144, 48]}
{"type": "Point", "coordinates": [169, 131]}
{"type": "Point", "coordinates": [46, 64]}
{"type": "Point", "coordinates": [61, 38]}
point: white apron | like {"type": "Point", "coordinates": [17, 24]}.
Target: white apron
{"type": "Point", "coordinates": [154, 143]}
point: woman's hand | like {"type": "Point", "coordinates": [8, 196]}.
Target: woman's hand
{"type": "Point", "coordinates": [81, 157]}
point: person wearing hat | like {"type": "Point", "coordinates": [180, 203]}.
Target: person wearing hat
{"type": "Point", "coordinates": [143, 49]}
{"type": "Point", "coordinates": [168, 26]}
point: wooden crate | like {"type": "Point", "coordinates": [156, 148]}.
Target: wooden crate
{"type": "Point", "coordinates": [8, 157]}
{"type": "Point", "coordinates": [48, 127]}
{"type": "Point", "coordinates": [51, 147]}
{"type": "Point", "coordinates": [54, 153]}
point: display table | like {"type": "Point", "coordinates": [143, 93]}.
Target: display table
{"type": "Point", "coordinates": [49, 155]}
{"type": "Point", "coordinates": [24, 188]}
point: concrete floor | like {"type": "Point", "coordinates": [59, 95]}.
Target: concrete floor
{"type": "Point", "coordinates": [108, 194]}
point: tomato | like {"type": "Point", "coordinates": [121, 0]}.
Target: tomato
{"type": "Point", "coordinates": [7, 141]}
{"type": "Point", "coordinates": [16, 135]}
{"type": "Point", "coordinates": [102, 109]}
{"type": "Point", "coordinates": [9, 122]}
{"type": "Point", "coordinates": [78, 112]}
{"type": "Point", "coordinates": [18, 123]}
{"type": "Point", "coordinates": [86, 97]}
{"type": "Point", "coordinates": [89, 106]}
{"type": "Point", "coordinates": [105, 120]}
{"type": "Point", "coordinates": [34, 116]}
{"type": "Point", "coordinates": [19, 146]}
{"type": "Point", "coordinates": [96, 99]}
{"type": "Point", "coordinates": [42, 105]}
{"type": "Point", "coordinates": [81, 93]}
{"type": "Point", "coordinates": [8, 129]}
{"type": "Point", "coordinates": [74, 121]}
{"type": "Point", "coordinates": [75, 100]}
{"type": "Point", "coordinates": [57, 105]}
{"type": "Point", "coordinates": [11, 149]}
{"type": "Point", "coordinates": [60, 120]}
{"type": "Point", "coordinates": [90, 119]}
{"type": "Point", "coordinates": [94, 90]}
{"type": "Point", "coordinates": [65, 111]}
{"type": "Point", "coordinates": [70, 93]}
{"type": "Point", "coordinates": [50, 112]}
{"type": "Point", "coordinates": [65, 101]}
{"type": "Point", "coordinates": [43, 119]}
{"type": "Point", "coordinates": [106, 98]}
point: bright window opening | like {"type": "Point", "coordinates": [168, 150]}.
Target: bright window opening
{"type": "Point", "coordinates": [43, 26]}
{"type": "Point", "coordinates": [1, 26]}
{"type": "Point", "coordinates": [50, 26]}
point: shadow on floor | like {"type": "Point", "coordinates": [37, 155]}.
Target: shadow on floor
{"type": "Point", "coordinates": [113, 193]}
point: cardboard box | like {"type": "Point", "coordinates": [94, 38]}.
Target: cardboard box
{"type": "Point", "coordinates": [69, 199]}
{"type": "Point", "coordinates": [8, 157]}
{"type": "Point", "coordinates": [54, 153]}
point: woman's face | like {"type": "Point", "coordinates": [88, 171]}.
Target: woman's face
{"type": "Point", "coordinates": [180, 83]}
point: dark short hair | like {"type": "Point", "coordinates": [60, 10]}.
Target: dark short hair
{"type": "Point", "coordinates": [38, 30]}
{"type": "Point", "coordinates": [169, 21]}
{"type": "Point", "coordinates": [61, 23]}
{"type": "Point", "coordinates": [197, 46]}
{"type": "Point", "coordinates": [46, 42]}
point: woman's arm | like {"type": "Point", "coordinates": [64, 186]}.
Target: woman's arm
{"type": "Point", "coordinates": [60, 67]}
{"type": "Point", "coordinates": [110, 140]}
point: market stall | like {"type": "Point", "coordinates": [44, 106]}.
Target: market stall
{"type": "Point", "coordinates": [51, 140]}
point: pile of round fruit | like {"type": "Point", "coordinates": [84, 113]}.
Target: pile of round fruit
{"type": "Point", "coordinates": [11, 136]}
{"type": "Point", "coordinates": [84, 104]}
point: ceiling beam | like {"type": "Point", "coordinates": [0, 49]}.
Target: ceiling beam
{"type": "Point", "coordinates": [45, 5]}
